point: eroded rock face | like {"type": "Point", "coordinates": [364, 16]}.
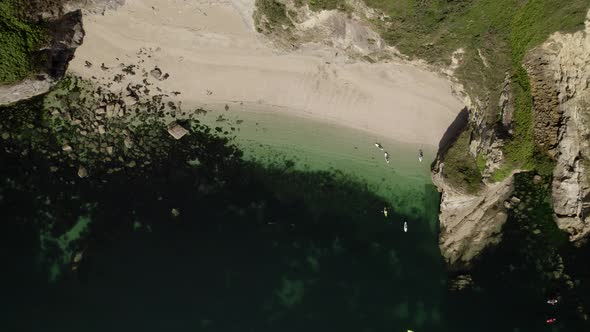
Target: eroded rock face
{"type": "Point", "coordinates": [547, 111]}
{"type": "Point", "coordinates": [564, 77]}
{"type": "Point", "coordinates": [470, 223]}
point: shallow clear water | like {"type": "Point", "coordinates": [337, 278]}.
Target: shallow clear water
{"type": "Point", "coordinates": [269, 138]}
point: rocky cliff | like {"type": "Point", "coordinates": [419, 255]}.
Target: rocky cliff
{"type": "Point", "coordinates": [560, 81]}
{"type": "Point", "coordinates": [559, 74]}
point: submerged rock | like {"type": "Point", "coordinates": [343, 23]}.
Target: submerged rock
{"type": "Point", "coordinates": [461, 282]}
{"type": "Point", "coordinates": [82, 172]}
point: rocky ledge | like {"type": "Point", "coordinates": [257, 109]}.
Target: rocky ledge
{"type": "Point", "coordinates": [470, 223]}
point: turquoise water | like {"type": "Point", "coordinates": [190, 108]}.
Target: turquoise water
{"type": "Point", "coordinates": [270, 138]}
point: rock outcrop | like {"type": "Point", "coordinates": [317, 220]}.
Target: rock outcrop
{"type": "Point", "coordinates": [561, 68]}
{"type": "Point", "coordinates": [470, 223]}
{"type": "Point", "coordinates": [66, 34]}
{"type": "Point", "coordinates": [348, 33]}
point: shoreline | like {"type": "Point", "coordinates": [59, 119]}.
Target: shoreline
{"type": "Point", "coordinates": [213, 58]}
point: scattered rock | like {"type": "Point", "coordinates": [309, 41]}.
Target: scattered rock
{"type": "Point", "coordinates": [88, 64]}
{"type": "Point", "coordinates": [101, 130]}
{"type": "Point", "coordinates": [5, 136]}
{"type": "Point", "coordinates": [175, 212]}
{"type": "Point", "coordinates": [177, 131]}
{"type": "Point", "coordinates": [537, 231]}
{"type": "Point", "coordinates": [100, 111]}
{"type": "Point", "coordinates": [110, 108]}
{"type": "Point", "coordinates": [128, 142]}
{"type": "Point", "coordinates": [109, 150]}
{"type": "Point", "coordinates": [537, 179]}
{"type": "Point", "coordinates": [66, 148]}
{"type": "Point", "coordinates": [129, 100]}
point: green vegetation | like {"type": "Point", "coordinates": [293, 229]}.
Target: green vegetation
{"type": "Point", "coordinates": [275, 14]}
{"type": "Point", "coordinates": [317, 5]}
{"type": "Point", "coordinates": [501, 173]}
{"type": "Point", "coordinates": [18, 41]}
{"type": "Point", "coordinates": [461, 169]}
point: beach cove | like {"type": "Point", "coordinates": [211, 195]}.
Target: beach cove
{"type": "Point", "coordinates": [313, 242]}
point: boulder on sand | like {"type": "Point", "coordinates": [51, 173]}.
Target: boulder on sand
{"type": "Point", "coordinates": [156, 73]}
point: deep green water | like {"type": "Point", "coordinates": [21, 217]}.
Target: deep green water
{"type": "Point", "coordinates": [292, 242]}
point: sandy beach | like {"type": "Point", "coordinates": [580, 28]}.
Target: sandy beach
{"type": "Point", "coordinates": [214, 58]}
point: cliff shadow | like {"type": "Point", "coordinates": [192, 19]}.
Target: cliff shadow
{"type": "Point", "coordinates": [453, 131]}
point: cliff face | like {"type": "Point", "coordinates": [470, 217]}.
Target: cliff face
{"type": "Point", "coordinates": [561, 71]}
{"type": "Point", "coordinates": [65, 34]}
